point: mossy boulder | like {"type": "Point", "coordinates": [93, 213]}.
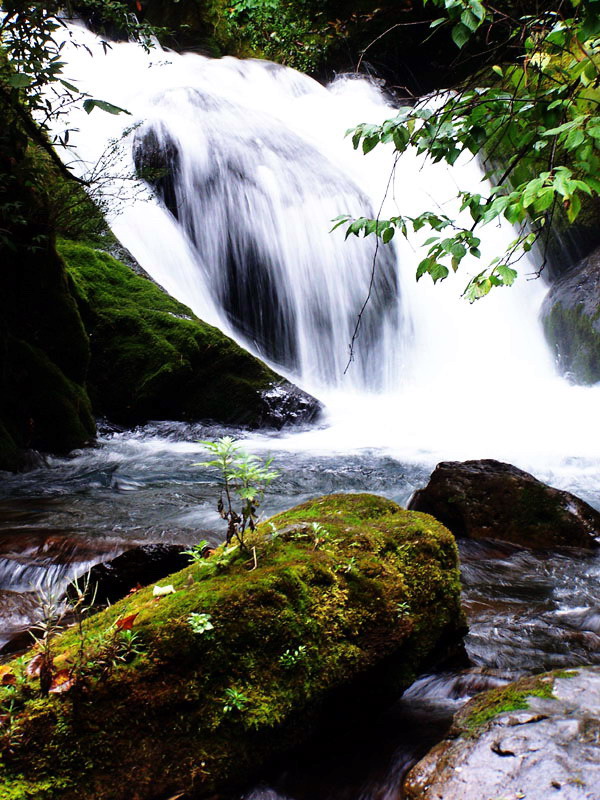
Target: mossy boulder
{"type": "Point", "coordinates": [571, 320]}
{"type": "Point", "coordinates": [489, 499]}
{"type": "Point", "coordinates": [152, 358]}
{"type": "Point", "coordinates": [537, 737]}
{"type": "Point", "coordinates": [342, 594]}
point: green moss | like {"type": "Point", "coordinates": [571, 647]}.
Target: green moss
{"type": "Point", "coordinates": [575, 339]}
{"type": "Point", "coordinates": [164, 712]}
{"type": "Point", "coordinates": [487, 705]}
{"type": "Point", "coordinates": [151, 357]}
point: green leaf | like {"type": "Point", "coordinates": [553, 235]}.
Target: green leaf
{"type": "Point", "coordinates": [507, 274]}
{"type": "Point", "coordinates": [460, 35]}
{"type": "Point", "coordinates": [90, 104]}
{"type": "Point", "coordinates": [19, 80]}
{"type": "Point", "coordinates": [70, 86]}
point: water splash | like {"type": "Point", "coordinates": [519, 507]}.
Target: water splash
{"type": "Point", "coordinates": [250, 165]}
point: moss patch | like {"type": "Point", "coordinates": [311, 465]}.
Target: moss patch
{"type": "Point", "coordinates": [152, 358]}
{"type": "Point", "coordinates": [370, 587]}
{"type": "Point", "coordinates": [487, 705]}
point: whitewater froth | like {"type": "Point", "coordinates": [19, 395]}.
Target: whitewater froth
{"type": "Point", "coordinates": [250, 166]}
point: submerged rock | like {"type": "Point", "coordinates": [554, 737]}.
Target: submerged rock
{"type": "Point", "coordinates": [571, 319]}
{"type": "Point", "coordinates": [488, 499]}
{"type": "Point", "coordinates": [111, 580]}
{"type": "Point", "coordinates": [534, 738]}
{"type": "Point", "coordinates": [152, 358]}
{"type": "Point", "coordinates": [341, 595]}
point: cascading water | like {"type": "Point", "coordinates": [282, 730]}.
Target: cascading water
{"type": "Point", "coordinates": [249, 164]}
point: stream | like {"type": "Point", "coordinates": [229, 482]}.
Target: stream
{"type": "Point", "coordinates": [527, 612]}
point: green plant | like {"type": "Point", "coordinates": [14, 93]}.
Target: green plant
{"type": "Point", "coordinates": [402, 609]}
{"type": "Point", "coordinates": [200, 623]}
{"type": "Point", "coordinates": [234, 700]}
{"type": "Point", "coordinates": [540, 114]}
{"type": "Point", "coordinates": [197, 552]}
{"type": "Point", "coordinates": [291, 658]}
{"type": "Point", "coordinates": [243, 476]}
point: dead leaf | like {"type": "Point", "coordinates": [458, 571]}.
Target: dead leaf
{"type": "Point", "coordinates": [7, 677]}
{"type": "Point", "coordinates": [35, 666]}
{"type": "Point", "coordinates": [161, 591]}
{"type": "Point", "coordinates": [126, 623]}
{"type": "Point", "coordinates": [63, 681]}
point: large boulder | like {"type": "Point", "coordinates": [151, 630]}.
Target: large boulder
{"type": "Point", "coordinates": [571, 319]}
{"type": "Point", "coordinates": [488, 499]}
{"type": "Point", "coordinates": [534, 738]}
{"type": "Point", "coordinates": [195, 690]}
{"type": "Point", "coordinates": [152, 358]}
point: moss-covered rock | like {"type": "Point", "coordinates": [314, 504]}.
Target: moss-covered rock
{"type": "Point", "coordinates": [537, 737]}
{"type": "Point", "coordinates": [339, 589]}
{"type": "Point", "coordinates": [571, 319]}
{"type": "Point", "coordinates": [151, 358]}
{"type": "Point", "coordinates": [489, 499]}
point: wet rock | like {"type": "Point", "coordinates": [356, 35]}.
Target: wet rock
{"type": "Point", "coordinates": [534, 738]}
{"type": "Point", "coordinates": [488, 499]}
{"type": "Point", "coordinates": [286, 404]}
{"type": "Point", "coordinates": [112, 580]}
{"type": "Point", "coordinates": [571, 319]}
{"type": "Point", "coordinates": [18, 612]}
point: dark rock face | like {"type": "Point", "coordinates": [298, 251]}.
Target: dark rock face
{"type": "Point", "coordinates": [286, 404]}
{"type": "Point", "coordinates": [44, 351]}
{"type": "Point", "coordinates": [488, 499]}
{"type": "Point", "coordinates": [112, 580]}
{"type": "Point", "coordinates": [537, 737]}
{"type": "Point", "coordinates": [571, 319]}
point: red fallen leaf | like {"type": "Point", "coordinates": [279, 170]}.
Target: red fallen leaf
{"type": "Point", "coordinates": [8, 679]}
{"type": "Point", "coordinates": [135, 589]}
{"type": "Point", "coordinates": [126, 624]}
{"type": "Point", "coordinates": [63, 681]}
{"type": "Point", "coordinates": [35, 666]}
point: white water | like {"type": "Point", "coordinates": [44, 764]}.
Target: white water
{"type": "Point", "coordinates": [263, 167]}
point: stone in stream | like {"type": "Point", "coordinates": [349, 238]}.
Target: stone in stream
{"type": "Point", "coordinates": [489, 499]}
{"type": "Point", "coordinates": [111, 580]}
{"type": "Point", "coordinates": [536, 738]}
{"type": "Point", "coordinates": [349, 596]}
{"type": "Point", "coordinates": [571, 320]}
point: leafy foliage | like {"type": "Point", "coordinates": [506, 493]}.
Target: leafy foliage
{"type": "Point", "coordinates": [243, 476]}
{"type": "Point", "coordinates": [544, 109]}
{"type": "Point", "coordinates": [31, 65]}
{"type": "Point", "coordinates": [291, 32]}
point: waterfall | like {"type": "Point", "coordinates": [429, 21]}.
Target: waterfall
{"type": "Point", "coordinates": [249, 166]}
